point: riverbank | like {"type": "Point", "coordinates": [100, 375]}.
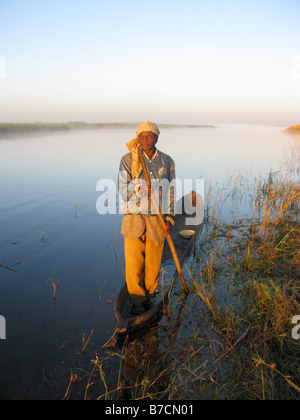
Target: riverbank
{"type": "Point", "coordinates": [294, 129]}
{"type": "Point", "coordinates": [257, 261]}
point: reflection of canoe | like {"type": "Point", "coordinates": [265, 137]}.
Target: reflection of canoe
{"type": "Point", "coordinates": [125, 321]}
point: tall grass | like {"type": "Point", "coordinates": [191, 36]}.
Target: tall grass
{"type": "Point", "coordinates": [262, 257]}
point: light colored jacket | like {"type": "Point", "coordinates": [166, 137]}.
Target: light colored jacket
{"type": "Point", "coordinates": [139, 216]}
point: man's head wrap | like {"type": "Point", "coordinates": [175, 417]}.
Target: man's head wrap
{"type": "Point", "coordinates": [136, 167]}
{"type": "Point", "coordinates": [147, 126]}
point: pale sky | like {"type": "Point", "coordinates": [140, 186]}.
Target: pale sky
{"type": "Point", "coordinates": [188, 61]}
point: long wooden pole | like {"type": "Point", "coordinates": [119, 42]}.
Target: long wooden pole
{"type": "Point", "coordinates": [162, 223]}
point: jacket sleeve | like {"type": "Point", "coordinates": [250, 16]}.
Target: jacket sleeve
{"type": "Point", "coordinates": [128, 187]}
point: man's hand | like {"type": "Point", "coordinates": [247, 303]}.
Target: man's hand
{"type": "Point", "coordinates": [168, 229]}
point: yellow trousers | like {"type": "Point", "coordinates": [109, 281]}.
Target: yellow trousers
{"type": "Point", "coordinates": [143, 261]}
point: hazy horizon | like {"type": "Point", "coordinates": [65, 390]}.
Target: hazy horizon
{"type": "Point", "coordinates": [172, 124]}
{"type": "Point", "coordinates": [191, 62]}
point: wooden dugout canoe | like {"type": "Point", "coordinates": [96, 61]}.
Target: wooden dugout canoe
{"type": "Point", "coordinates": [125, 322]}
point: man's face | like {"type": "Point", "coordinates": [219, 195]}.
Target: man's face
{"type": "Point", "coordinates": [147, 140]}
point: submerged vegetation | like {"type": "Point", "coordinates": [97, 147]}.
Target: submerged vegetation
{"type": "Point", "coordinates": [231, 338]}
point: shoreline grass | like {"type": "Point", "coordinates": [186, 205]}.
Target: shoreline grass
{"type": "Point", "coordinates": [261, 256]}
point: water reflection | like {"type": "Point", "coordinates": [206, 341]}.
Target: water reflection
{"type": "Point", "coordinates": [146, 365]}
{"type": "Point", "coordinates": [141, 365]}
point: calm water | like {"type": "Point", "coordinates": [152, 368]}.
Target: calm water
{"type": "Point", "coordinates": [50, 229]}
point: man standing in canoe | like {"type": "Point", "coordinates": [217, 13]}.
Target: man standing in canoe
{"type": "Point", "coordinates": [144, 237]}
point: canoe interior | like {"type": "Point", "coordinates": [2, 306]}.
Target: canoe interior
{"type": "Point", "coordinates": [125, 322]}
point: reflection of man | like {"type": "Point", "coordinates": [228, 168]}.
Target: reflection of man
{"type": "Point", "coordinates": [143, 360]}
{"type": "Point", "coordinates": [144, 237]}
